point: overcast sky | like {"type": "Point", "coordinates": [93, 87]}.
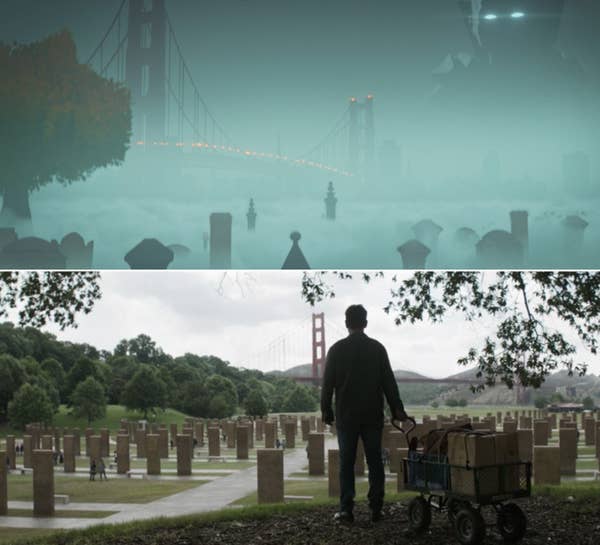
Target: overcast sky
{"type": "Point", "coordinates": [239, 317]}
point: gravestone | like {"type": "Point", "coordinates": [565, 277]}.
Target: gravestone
{"type": "Point", "coordinates": [330, 202]}
{"type": "Point", "coordinates": [305, 427]}
{"type": "Point", "coordinates": [540, 432]}
{"type": "Point", "coordinates": [104, 442]}
{"type": "Point", "coordinates": [123, 461]}
{"type": "Point", "coordinates": [78, 254]}
{"type": "Point", "coordinates": [149, 254]}
{"type": "Point", "coordinates": [316, 454]}
{"type": "Point", "coordinates": [525, 422]}
{"type": "Point", "coordinates": [27, 450]}
{"type": "Point", "coordinates": [251, 216]}
{"type": "Point", "coordinates": [241, 443]}
{"type": "Point", "coordinates": [290, 434]}
{"type": "Point", "coordinates": [250, 425]}
{"type": "Point", "coordinates": [588, 427]}
{"type": "Point", "coordinates": [597, 439]}
{"type": "Point", "coordinates": [260, 429]}
{"type": "Point", "coordinates": [269, 475]}
{"type": "Point", "coordinates": [333, 473]}
{"type": "Point", "coordinates": [414, 254]}
{"type": "Point", "coordinates": [270, 434]}
{"type": "Point", "coordinates": [397, 442]}
{"type": "Point", "coordinates": [7, 235]}
{"type": "Point", "coordinates": [214, 442]}
{"type": "Point", "coordinates": [400, 481]}
{"type": "Point", "coordinates": [509, 426]}
{"type": "Point", "coordinates": [519, 227]}
{"type": "Point", "coordinates": [184, 454]}
{"type": "Point", "coordinates": [163, 442]}
{"type": "Point", "coordinates": [573, 233]}
{"type": "Point", "coordinates": [173, 429]}
{"type": "Point", "coordinates": [43, 483]}
{"type": "Point", "coordinates": [76, 432]}
{"type": "Point", "coordinates": [568, 450]}
{"type": "Point", "coordinates": [220, 240]}
{"type": "Point", "coordinates": [525, 438]}
{"type": "Point", "coordinates": [152, 454]}
{"type": "Point", "coordinates": [32, 253]}
{"type": "Point", "coordinates": [3, 485]}
{"type": "Point", "coordinates": [199, 431]}
{"type": "Point", "coordinates": [427, 232]}
{"type": "Point", "coordinates": [230, 433]}
{"type": "Point", "coordinates": [69, 454]}
{"type": "Point", "coordinates": [95, 448]}
{"type": "Point", "coordinates": [11, 453]}
{"type": "Point", "coordinates": [500, 249]}
{"type": "Point", "coordinates": [140, 443]}
{"type": "Point", "coordinates": [546, 465]}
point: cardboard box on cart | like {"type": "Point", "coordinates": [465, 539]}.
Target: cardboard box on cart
{"type": "Point", "coordinates": [469, 451]}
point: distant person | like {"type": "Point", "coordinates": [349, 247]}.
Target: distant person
{"type": "Point", "coordinates": [93, 470]}
{"type": "Point", "coordinates": [102, 469]}
{"type": "Point", "coordinates": [358, 372]}
{"type": "Point", "coordinates": [277, 443]}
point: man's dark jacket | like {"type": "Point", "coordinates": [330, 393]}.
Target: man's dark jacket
{"type": "Point", "coordinates": [358, 370]}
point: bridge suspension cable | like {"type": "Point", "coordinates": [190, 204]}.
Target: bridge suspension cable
{"type": "Point", "coordinates": [332, 148]}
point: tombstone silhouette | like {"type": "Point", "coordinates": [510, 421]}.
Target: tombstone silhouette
{"type": "Point", "coordinates": [330, 202]}
{"type": "Point", "coordinates": [500, 249]}
{"type": "Point", "coordinates": [220, 240]}
{"type": "Point", "coordinates": [573, 229]}
{"type": "Point", "coordinates": [205, 239]}
{"type": "Point", "coordinates": [7, 235]}
{"type": "Point", "coordinates": [32, 253]}
{"type": "Point", "coordinates": [251, 216]}
{"type": "Point", "coordinates": [427, 232]}
{"type": "Point", "coordinates": [179, 250]}
{"type": "Point", "coordinates": [295, 258]}
{"type": "Point", "coordinates": [78, 254]}
{"type": "Point", "coordinates": [519, 227]}
{"type": "Point", "coordinates": [149, 254]}
{"type": "Point", "coordinates": [414, 254]}
{"type": "Point", "coordinates": [465, 236]}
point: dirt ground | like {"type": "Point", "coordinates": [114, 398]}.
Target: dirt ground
{"type": "Point", "coordinates": [550, 521]}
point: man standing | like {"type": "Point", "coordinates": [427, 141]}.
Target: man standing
{"type": "Point", "coordinates": [359, 373]}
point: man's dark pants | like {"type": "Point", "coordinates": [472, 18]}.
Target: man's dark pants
{"type": "Point", "coordinates": [348, 441]}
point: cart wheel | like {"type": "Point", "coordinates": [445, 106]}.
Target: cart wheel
{"type": "Point", "coordinates": [469, 526]}
{"type": "Point", "coordinates": [454, 506]}
{"type": "Point", "coordinates": [511, 522]}
{"type": "Point", "coordinates": [419, 514]}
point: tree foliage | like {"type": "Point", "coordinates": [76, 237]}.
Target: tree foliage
{"type": "Point", "coordinates": [30, 404]}
{"type": "Point", "coordinates": [59, 120]}
{"type": "Point", "coordinates": [524, 347]}
{"type": "Point", "coordinates": [88, 400]}
{"type": "Point", "coordinates": [146, 391]}
{"type": "Point", "coordinates": [255, 403]}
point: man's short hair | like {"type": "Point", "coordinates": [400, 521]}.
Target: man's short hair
{"type": "Point", "coordinates": [356, 317]}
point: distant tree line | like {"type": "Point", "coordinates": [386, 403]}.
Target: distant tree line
{"type": "Point", "coordinates": [38, 373]}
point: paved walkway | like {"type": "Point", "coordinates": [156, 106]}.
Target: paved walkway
{"type": "Point", "coordinates": [212, 496]}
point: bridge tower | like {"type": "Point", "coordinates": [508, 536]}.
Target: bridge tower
{"type": "Point", "coordinates": [361, 136]}
{"type": "Point", "coordinates": [318, 346]}
{"type": "Point", "coordinates": [146, 68]}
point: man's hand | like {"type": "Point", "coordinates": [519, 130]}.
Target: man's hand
{"type": "Point", "coordinates": [327, 418]}
{"type": "Point", "coordinates": [400, 414]}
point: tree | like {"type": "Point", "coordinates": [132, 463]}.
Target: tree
{"type": "Point", "coordinates": [59, 120]}
{"type": "Point", "coordinates": [83, 368]}
{"type": "Point", "coordinates": [43, 297]}
{"type": "Point", "coordinates": [255, 403]}
{"type": "Point", "coordinates": [540, 402]}
{"type": "Point", "coordinates": [143, 349]}
{"type": "Point", "coordinates": [222, 397]}
{"type": "Point", "coordinates": [54, 371]}
{"type": "Point", "coordinates": [451, 402]}
{"type": "Point", "coordinates": [524, 348]}
{"type": "Point", "coordinates": [30, 404]}
{"type": "Point", "coordinates": [588, 403]}
{"type": "Point", "coordinates": [145, 392]}
{"type": "Point", "coordinates": [12, 376]}
{"type": "Point", "coordinates": [88, 400]}
{"type": "Point", "coordinates": [299, 400]}
{"type": "Point", "coordinates": [434, 404]}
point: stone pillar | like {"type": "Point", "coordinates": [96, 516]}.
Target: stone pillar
{"type": "Point", "coordinates": [260, 429]}
{"type": "Point", "coordinates": [214, 442]}
{"type": "Point", "coordinates": [43, 483]}
{"type": "Point", "coordinates": [359, 462]}
{"type": "Point", "coordinates": [57, 436]}
{"type": "Point", "coordinates": [76, 441]}
{"type": "Point", "coordinates": [588, 428]}
{"type": "Point", "coordinates": [199, 432]}
{"type": "Point", "coordinates": [220, 240]}
{"type": "Point", "coordinates": [47, 441]}
{"type": "Point", "coordinates": [140, 443]}
{"type": "Point", "coordinates": [270, 434]}
{"type": "Point", "coordinates": [546, 465]}
{"type": "Point", "coordinates": [525, 438]}
{"type": "Point", "coordinates": [509, 426]}
{"type": "Point", "coordinates": [397, 442]}
{"type": "Point", "coordinates": [402, 454]}
{"type": "Point", "coordinates": [70, 465]}
{"type": "Point", "coordinates": [11, 453]}
{"type": "Point", "coordinates": [152, 454]}
{"type": "Point", "coordinates": [290, 435]}
{"type": "Point", "coordinates": [242, 442]}
{"type": "Point", "coordinates": [123, 461]}
{"type": "Point", "coordinates": [163, 442]}
{"type": "Point", "coordinates": [35, 437]}
{"type": "Point", "coordinates": [320, 425]}
{"type": "Point", "coordinates": [104, 442]}
{"type": "Point", "coordinates": [316, 454]}
{"type": "Point", "coordinates": [88, 433]}
{"type": "Point", "coordinates": [540, 432]}
{"type": "Point", "coordinates": [251, 434]}
{"type": "Point", "coordinates": [3, 485]}
{"type": "Point", "coordinates": [94, 448]}
{"type": "Point", "coordinates": [27, 450]}
{"type": "Point", "coordinates": [305, 426]}
{"type": "Point", "coordinates": [173, 430]}
{"type": "Point", "coordinates": [269, 475]}
{"type": "Point", "coordinates": [230, 432]}
{"type": "Point", "coordinates": [333, 473]}
{"type": "Point", "coordinates": [568, 450]}
{"type": "Point", "coordinates": [184, 454]}
{"type": "Point", "coordinates": [525, 422]}
{"type": "Point", "coordinates": [597, 439]}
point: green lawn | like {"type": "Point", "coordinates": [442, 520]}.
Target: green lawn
{"type": "Point", "coordinates": [115, 490]}
{"type": "Point", "coordinates": [8, 535]}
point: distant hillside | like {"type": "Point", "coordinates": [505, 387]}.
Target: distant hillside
{"type": "Point", "coordinates": [305, 370]}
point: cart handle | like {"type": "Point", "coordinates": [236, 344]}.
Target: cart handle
{"type": "Point", "coordinates": [409, 430]}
